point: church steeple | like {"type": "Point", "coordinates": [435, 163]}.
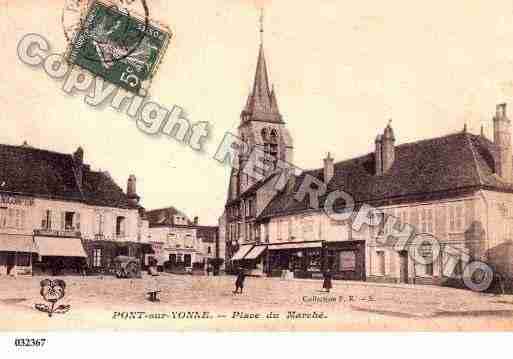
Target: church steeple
{"type": "Point", "coordinates": [261, 94]}
{"type": "Point", "coordinates": [261, 104]}
{"type": "Point", "coordinates": [261, 127]}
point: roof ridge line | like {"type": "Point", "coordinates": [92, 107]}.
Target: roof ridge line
{"type": "Point", "coordinates": [474, 157]}
{"type": "Point", "coordinates": [36, 149]}
{"type": "Point", "coordinates": [402, 144]}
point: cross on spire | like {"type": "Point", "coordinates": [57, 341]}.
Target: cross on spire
{"type": "Point", "coordinates": [261, 20]}
{"type": "Point", "coordinates": [261, 103]}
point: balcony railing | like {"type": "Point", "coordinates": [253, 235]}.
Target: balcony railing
{"type": "Point", "coordinates": [57, 233]}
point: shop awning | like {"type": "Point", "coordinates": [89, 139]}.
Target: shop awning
{"type": "Point", "coordinates": [300, 245]}
{"type": "Point", "coordinates": [16, 243]}
{"type": "Point", "coordinates": [243, 250]}
{"type": "Point", "coordinates": [255, 252]}
{"type": "Point", "coordinates": [60, 247]}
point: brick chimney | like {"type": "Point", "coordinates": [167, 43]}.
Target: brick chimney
{"type": "Point", "coordinates": [131, 190]}
{"type": "Point", "coordinates": [329, 168]}
{"type": "Point", "coordinates": [388, 147]}
{"type": "Point", "coordinates": [378, 155]}
{"type": "Point", "coordinates": [78, 164]}
{"type": "Point", "coordinates": [502, 139]}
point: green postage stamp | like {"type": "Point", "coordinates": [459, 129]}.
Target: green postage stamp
{"type": "Point", "coordinates": [123, 48]}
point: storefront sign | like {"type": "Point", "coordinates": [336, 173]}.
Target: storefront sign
{"type": "Point", "coordinates": [157, 247]}
{"type": "Point", "coordinates": [347, 260]}
{"type": "Point", "coordinates": [16, 200]}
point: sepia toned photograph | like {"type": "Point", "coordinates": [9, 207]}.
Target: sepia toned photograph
{"type": "Point", "coordinates": [255, 166]}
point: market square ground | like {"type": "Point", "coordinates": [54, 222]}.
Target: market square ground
{"type": "Point", "coordinates": [350, 306]}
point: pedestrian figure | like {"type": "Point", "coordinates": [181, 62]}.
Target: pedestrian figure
{"type": "Point", "coordinates": [153, 289]}
{"type": "Point", "coordinates": [326, 285]}
{"type": "Point", "coordinates": [239, 282]}
{"type": "Point", "coordinates": [152, 267]}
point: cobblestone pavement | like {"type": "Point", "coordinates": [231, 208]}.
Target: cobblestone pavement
{"type": "Point", "coordinates": [350, 305]}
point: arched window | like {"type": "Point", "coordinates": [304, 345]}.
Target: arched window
{"type": "Point", "coordinates": [270, 139]}
{"type": "Point", "coordinates": [274, 136]}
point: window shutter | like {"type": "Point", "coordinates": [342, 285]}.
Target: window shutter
{"type": "Point", "coordinates": [101, 224]}
{"type": "Point", "coordinates": [106, 229]}
{"type": "Point", "coordinates": [43, 220]}
{"type": "Point", "coordinates": [414, 219]}
{"type": "Point", "coordinates": [63, 220]}
{"type": "Point", "coordinates": [22, 219]}
{"type": "Point", "coordinates": [96, 224]}
{"type": "Point", "coordinates": [77, 221]}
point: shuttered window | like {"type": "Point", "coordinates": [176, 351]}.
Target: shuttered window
{"type": "Point", "coordinates": [426, 220]}
{"type": "Point", "coordinates": [380, 263]}
{"type": "Point", "coordinates": [456, 219]}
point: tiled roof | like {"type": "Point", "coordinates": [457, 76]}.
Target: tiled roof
{"type": "Point", "coordinates": [165, 216]}
{"type": "Point", "coordinates": [100, 189]}
{"type": "Point", "coordinates": [251, 190]}
{"type": "Point", "coordinates": [425, 168]}
{"type": "Point", "coordinates": [42, 173]}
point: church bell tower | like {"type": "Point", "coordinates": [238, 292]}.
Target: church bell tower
{"type": "Point", "coordinates": [261, 124]}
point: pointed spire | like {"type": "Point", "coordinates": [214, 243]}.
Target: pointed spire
{"type": "Point", "coordinates": [274, 102]}
{"type": "Point", "coordinates": [261, 94]}
{"type": "Point", "coordinates": [261, 103]}
{"type": "Point", "coordinates": [247, 107]}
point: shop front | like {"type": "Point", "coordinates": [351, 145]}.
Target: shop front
{"type": "Point", "coordinates": [254, 260]}
{"type": "Point", "coordinates": [186, 258]}
{"type": "Point", "coordinates": [175, 260]}
{"type": "Point", "coordinates": [59, 255]}
{"type": "Point", "coordinates": [303, 259]}
{"type": "Point", "coordinates": [101, 253]}
{"type": "Point", "coordinates": [16, 254]}
{"type": "Point", "coordinates": [345, 260]}
{"type": "Point", "coordinates": [237, 260]}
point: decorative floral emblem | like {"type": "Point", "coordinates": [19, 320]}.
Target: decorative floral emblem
{"type": "Point", "coordinates": [52, 291]}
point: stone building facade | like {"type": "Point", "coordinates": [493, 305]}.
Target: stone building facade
{"type": "Point", "coordinates": [56, 213]}
{"type": "Point", "coordinates": [181, 243]}
{"type": "Point", "coordinates": [456, 190]}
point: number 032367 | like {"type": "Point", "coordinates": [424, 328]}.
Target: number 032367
{"type": "Point", "coordinates": [29, 342]}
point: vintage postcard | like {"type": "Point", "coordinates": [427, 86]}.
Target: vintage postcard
{"type": "Point", "coordinates": [294, 166]}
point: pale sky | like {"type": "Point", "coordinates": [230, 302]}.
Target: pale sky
{"type": "Point", "coordinates": [341, 69]}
